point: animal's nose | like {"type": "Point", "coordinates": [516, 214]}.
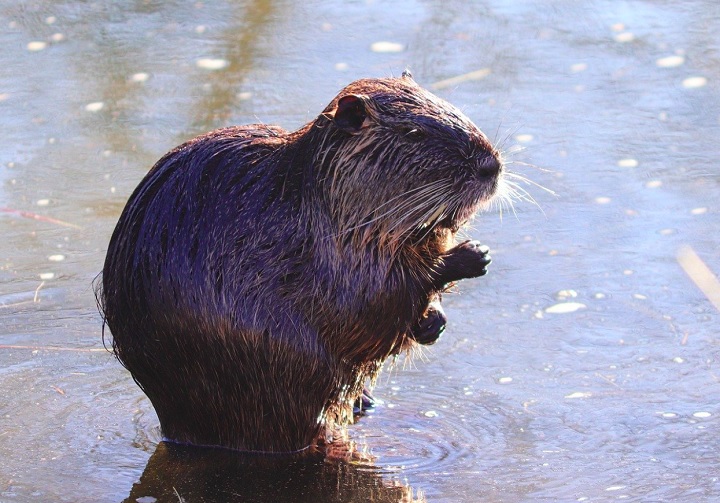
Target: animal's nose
{"type": "Point", "coordinates": [489, 164]}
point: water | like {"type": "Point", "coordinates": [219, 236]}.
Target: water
{"type": "Point", "coordinates": [616, 106]}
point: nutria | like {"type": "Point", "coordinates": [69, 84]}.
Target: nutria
{"type": "Point", "coordinates": [257, 278]}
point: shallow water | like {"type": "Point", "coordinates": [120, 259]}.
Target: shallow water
{"type": "Point", "coordinates": [617, 108]}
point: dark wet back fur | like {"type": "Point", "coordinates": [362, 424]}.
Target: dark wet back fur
{"type": "Point", "coordinates": [257, 278]}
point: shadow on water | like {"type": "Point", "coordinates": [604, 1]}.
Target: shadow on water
{"type": "Point", "coordinates": [182, 473]}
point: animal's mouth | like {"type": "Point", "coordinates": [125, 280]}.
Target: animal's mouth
{"type": "Point", "coordinates": [447, 217]}
{"type": "Point", "coordinates": [443, 220]}
{"type": "Point", "coordinates": [437, 219]}
{"type": "Point", "coordinates": [457, 210]}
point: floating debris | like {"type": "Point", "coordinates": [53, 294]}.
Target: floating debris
{"type": "Point", "coordinates": [524, 138]}
{"type": "Point", "coordinates": [56, 258]}
{"type": "Point", "coordinates": [654, 184]}
{"type": "Point", "coordinates": [47, 275]}
{"type": "Point", "coordinates": [628, 163]}
{"type": "Point", "coordinates": [95, 106]}
{"type": "Point", "coordinates": [50, 20]}
{"type": "Point", "coordinates": [341, 67]}
{"type": "Point", "coordinates": [57, 37]}
{"type": "Point", "coordinates": [565, 308]}
{"type": "Point", "coordinates": [42, 202]}
{"type": "Point", "coordinates": [578, 67]}
{"type": "Point", "coordinates": [603, 200]}
{"type": "Point", "coordinates": [694, 82]}
{"type": "Point", "coordinates": [698, 211]}
{"type": "Point", "coordinates": [431, 413]}
{"type": "Point", "coordinates": [387, 47]}
{"type": "Point", "coordinates": [244, 96]}
{"type": "Point", "coordinates": [212, 64]}
{"type": "Point", "coordinates": [670, 61]}
{"type": "Point", "coordinates": [669, 415]}
{"type": "Point", "coordinates": [453, 81]}
{"type": "Point", "coordinates": [505, 380]}
{"type": "Point", "coordinates": [702, 415]}
{"type": "Point", "coordinates": [678, 359]}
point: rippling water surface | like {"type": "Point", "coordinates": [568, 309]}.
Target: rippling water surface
{"type": "Point", "coordinates": [585, 367]}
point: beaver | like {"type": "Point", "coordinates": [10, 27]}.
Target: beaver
{"type": "Point", "coordinates": [258, 278]}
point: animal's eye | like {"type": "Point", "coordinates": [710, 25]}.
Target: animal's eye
{"type": "Point", "coordinates": [412, 134]}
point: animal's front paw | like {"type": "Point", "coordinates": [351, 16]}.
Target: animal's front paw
{"type": "Point", "coordinates": [431, 326]}
{"type": "Point", "coordinates": [472, 259]}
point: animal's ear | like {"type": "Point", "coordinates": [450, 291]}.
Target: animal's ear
{"type": "Point", "coordinates": [407, 75]}
{"type": "Point", "coordinates": [350, 114]}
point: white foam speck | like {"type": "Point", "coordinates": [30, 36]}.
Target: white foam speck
{"type": "Point", "coordinates": [212, 64]}
{"type": "Point", "coordinates": [95, 106]}
{"type": "Point", "coordinates": [624, 37]}
{"type": "Point", "coordinates": [579, 394]}
{"type": "Point", "coordinates": [628, 163]}
{"type": "Point", "coordinates": [694, 82]}
{"type": "Point", "coordinates": [36, 45]}
{"type": "Point", "coordinates": [565, 308]}
{"type": "Point", "coordinates": [670, 61]}
{"type": "Point", "coordinates": [139, 77]}
{"type": "Point", "coordinates": [387, 47]}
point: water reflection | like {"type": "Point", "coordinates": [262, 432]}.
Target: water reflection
{"type": "Point", "coordinates": [179, 473]}
{"type": "Point", "coordinates": [239, 44]}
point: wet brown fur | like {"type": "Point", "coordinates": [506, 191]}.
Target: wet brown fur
{"type": "Point", "coordinates": [257, 278]}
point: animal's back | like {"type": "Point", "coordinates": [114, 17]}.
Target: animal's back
{"type": "Point", "coordinates": [194, 275]}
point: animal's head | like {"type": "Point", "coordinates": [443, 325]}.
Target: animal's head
{"type": "Point", "coordinates": [399, 162]}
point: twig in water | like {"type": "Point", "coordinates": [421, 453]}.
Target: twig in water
{"type": "Point", "coordinates": [701, 274]}
{"type": "Point", "coordinates": [41, 218]}
{"type": "Point", "coordinates": [52, 348]}
{"type": "Point", "coordinates": [37, 291]}
{"type": "Point", "coordinates": [476, 75]}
